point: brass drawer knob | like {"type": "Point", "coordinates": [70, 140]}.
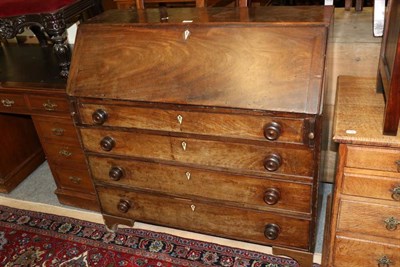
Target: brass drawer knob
{"type": "Point", "coordinates": [396, 193]}
{"type": "Point", "coordinates": [116, 173]}
{"type": "Point", "coordinates": [7, 102]}
{"type": "Point", "coordinates": [272, 196]}
{"type": "Point", "coordinates": [49, 106]}
{"type": "Point", "coordinates": [124, 205]}
{"type": "Point", "coordinates": [107, 143]}
{"type": "Point", "coordinates": [384, 262]}
{"type": "Point", "coordinates": [272, 231]}
{"type": "Point", "coordinates": [272, 162]}
{"type": "Point", "coordinates": [99, 117]}
{"type": "Point", "coordinates": [391, 223]}
{"type": "Point", "coordinates": [272, 131]}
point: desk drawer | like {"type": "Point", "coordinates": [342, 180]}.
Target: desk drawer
{"type": "Point", "coordinates": [370, 219]}
{"type": "Point", "coordinates": [65, 155]}
{"type": "Point", "coordinates": [363, 253]}
{"type": "Point", "coordinates": [264, 128]}
{"type": "Point", "coordinates": [229, 155]}
{"type": "Point", "coordinates": [364, 184]}
{"type": "Point", "coordinates": [205, 217]}
{"type": "Point", "coordinates": [48, 104]}
{"type": "Point", "coordinates": [56, 129]}
{"type": "Point", "coordinates": [187, 181]}
{"type": "Point", "coordinates": [373, 158]}
{"type": "Point", "coordinates": [74, 179]}
{"type": "Point", "coordinates": [11, 103]}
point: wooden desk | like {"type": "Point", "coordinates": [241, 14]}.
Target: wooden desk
{"type": "Point", "coordinates": [364, 228]}
{"type": "Point", "coordinates": [33, 99]}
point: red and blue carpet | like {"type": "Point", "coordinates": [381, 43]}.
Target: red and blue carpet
{"type": "Point", "coordinates": [30, 238]}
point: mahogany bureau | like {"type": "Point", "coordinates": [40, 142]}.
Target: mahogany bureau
{"type": "Point", "coordinates": [365, 224]}
{"type": "Point", "coordinates": [30, 88]}
{"type": "Point", "coordinates": [205, 119]}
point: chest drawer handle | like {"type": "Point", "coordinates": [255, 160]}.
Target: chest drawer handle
{"type": "Point", "coordinates": [391, 223]}
{"type": "Point", "coordinates": [384, 262]}
{"type": "Point", "coordinates": [116, 173]}
{"type": "Point", "coordinates": [272, 131]}
{"type": "Point", "coordinates": [58, 131]}
{"type": "Point", "coordinates": [272, 196]}
{"type": "Point", "coordinates": [7, 102]}
{"type": "Point", "coordinates": [107, 143]}
{"type": "Point", "coordinates": [74, 179]}
{"type": "Point", "coordinates": [124, 205]}
{"type": "Point", "coordinates": [99, 117]}
{"type": "Point", "coordinates": [272, 231]}
{"type": "Point", "coordinates": [396, 193]}
{"type": "Point", "coordinates": [272, 162]}
{"type": "Point", "coordinates": [49, 106]}
{"type": "Point", "coordinates": [65, 153]}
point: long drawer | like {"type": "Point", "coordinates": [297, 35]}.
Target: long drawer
{"type": "Point", "coordinates": [247, 191]}
{"type": "Point", "coordinates": [205, 217]}
{"type": "Point", "coordinates": [13, 103]}
{"type": "Point", "coordinates": [369, 219]}
{"type": "Point", "coordinates": [373, 158]}
{"type": "Point", "coordinates": [258, 159]}
{"type": "Point", "coordinates": [363, 253]}
{"type": "Point", "coordinates": [265, 128]}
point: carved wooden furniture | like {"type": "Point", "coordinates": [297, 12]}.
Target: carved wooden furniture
{"type": "Point", "coordinates": [51, 16]}
{"type": "Point", "coordinates": [389, 68]}
{"type": "Point", "coordinates": [365, 218]}
{"type": "Point", "coordinates": [212, 123]}
{"type": "Point", "coordinates": [30, 85]}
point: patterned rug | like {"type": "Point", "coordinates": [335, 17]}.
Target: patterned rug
{"type": "Point", "coordinates": [29, 238]}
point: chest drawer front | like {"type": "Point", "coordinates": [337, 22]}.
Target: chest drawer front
{"type": "Point", "coordinates": [383, 159]}
{"type": "Point", "coordinates": [203, 152]}
{"type": "Point", "coordinates": [13, 103]}
{"type": "Point", "coordinates": [370, 219]}
{"type": "Point", "coordinates": [48, 104]}
{"type": "Point", "coordinates": [265, 128]}
{"type": "Point", "coordinates": [73, 178]}
{"type": "Point", "coordinates": [65, 155]}
{"type": "Point", "coordinates": [56, 129]}
{"type": "Point", "coordinates": [205, 217]}
{"type": "Point", "coordinates": [259, 193]}
{"type": "Point", "coordinates": [362, 253]}
{"type": "Point", "coordinates": [364, 184]}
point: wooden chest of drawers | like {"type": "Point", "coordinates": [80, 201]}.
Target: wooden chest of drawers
{"type": "Point", "coordinates": [364, 229]}
{"type": "Point", "coordinates": [210, 121]}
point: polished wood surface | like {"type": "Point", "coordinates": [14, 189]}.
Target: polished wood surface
{"type": "Point", "coordinates": [217, 132]}
{"type": "Point", "coordinates": [16, 164]}
{"type": "Point", "coordinates": [30, 88]}
{"type": "Point", "coordinates": [220, 64]}
{"type": "Point", "coordinates": [363, 230]}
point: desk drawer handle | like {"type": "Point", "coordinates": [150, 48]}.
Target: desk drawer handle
{"type": "Point", "coordinates": [272, 231]}
{"type": "Point", "coordinates": [272, 196]}
{"type": "Point", "coordinates": [7, 102]}
{"type": "Point", "coordinates": [384, 262]}
{"type": "Point", "coordinates": [65, 153]}
{"type": "Point", "coordinates": [272, 162]}
{"type": "Point", "coordinates": [116, 173]}
{"type": "Point", "coordinates": [391, 223]}
{"type": "Point", "coordinates": [49, 106]}
{"type": "Point", "coordinates": [107, 143]}
{"type": "Point", "coordinates": [272, 131]}
{"type": "Point", "coordinates": [124, 205]}
{"type": "Point", "coordinates": [74, 179]}
{"type": "Point", "coordinates": [396, 193]}
{"type": "Point", "coordinates": [58, 131]}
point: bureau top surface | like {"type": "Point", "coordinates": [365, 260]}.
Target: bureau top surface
{"type": "Point", "coordinates": [268, 58]}
{"type": "Point", "coordinates": [359, 113]}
